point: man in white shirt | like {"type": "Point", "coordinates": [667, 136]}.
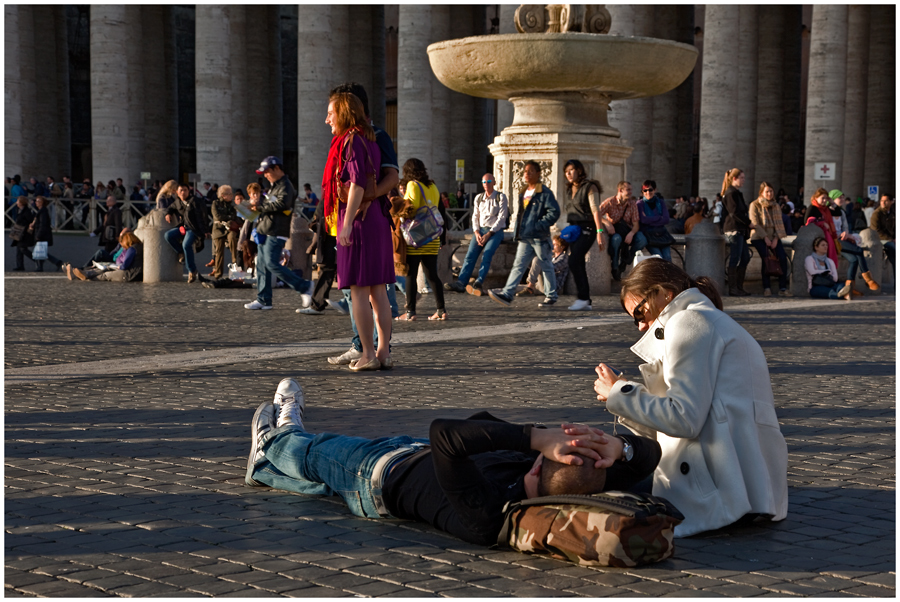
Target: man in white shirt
{"type": "Point", "coordinates": [489, 215]}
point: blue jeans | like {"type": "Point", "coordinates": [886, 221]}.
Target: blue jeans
{"type": "Point", "coordinates": [474, 251]}
{"type": "Point", "coordinates": [268, 265]}
{"type": "Point", "coordinates": [392, 299]}
{"type": "Point", "coordinates": [740, 254]}
{"type": "Point", "coordinates": [856, 261]}
{"type": "Point", "coordinates": [826, 292]}
{"type": "Point", "coordinates": [528, 249]}
{"type": "Point", "coordinates": [664, 252]}
{"type": "Point", "coordinates": [890, 250]}
{"type": "Point", "coordinates": [616, 241]}
{"type": "Point", "coordinates": [325, 464]}
{"type": "Point", "coordinates": [183, 244]}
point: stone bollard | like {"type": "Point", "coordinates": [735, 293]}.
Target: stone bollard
{"type": "Point", "coordinates": [704, 254]}
{"type": "Point", "coordinates": [803, 247]}
{"type": "Point", "coordinates": [873, 251]}
{"type": "Point", "coordinates": [599, 269]}
{"type": "Point", "coordinates": [160, 260]}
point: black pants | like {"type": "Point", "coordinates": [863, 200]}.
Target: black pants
{"type": "Point", "coordinates": [323, 287]}
{"type": "Point", "coordinates": [429, 264]}
{"type": "Point", "coordinates": [578, 251]}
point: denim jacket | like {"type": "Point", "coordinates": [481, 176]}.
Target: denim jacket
{"type": "Point", "coordinates": [535, 220]}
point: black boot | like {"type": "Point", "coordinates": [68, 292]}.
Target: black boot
{"type": "Point", "coordinates": [731, 277]}
{"type": "Point", "coordinates": [741, 274]}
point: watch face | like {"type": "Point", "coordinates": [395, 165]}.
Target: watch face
{"type": "Point", "coordinates": [629, 452]}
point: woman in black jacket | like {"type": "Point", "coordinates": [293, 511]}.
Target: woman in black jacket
{"type": "Point", "coordinates": [737, 229]}
{"type": "Point", "coordinates": [43, 232]}
{"type": "Point", "coordinates": [24, 218]}
{"type": "Point", "coordinates": [191, 228]}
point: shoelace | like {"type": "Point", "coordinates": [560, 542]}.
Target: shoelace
{"type": "Point", "coordinates": [289, 412]}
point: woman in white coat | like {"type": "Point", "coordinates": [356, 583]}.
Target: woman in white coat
{"type": "Point", "coordinates": [706, 397]}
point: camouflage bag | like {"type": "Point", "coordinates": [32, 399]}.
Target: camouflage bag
{"type": "Point", "coordinates": [614, 528]}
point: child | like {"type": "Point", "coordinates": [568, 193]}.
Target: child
{"type": "Point", "coordinates": [560, 267]}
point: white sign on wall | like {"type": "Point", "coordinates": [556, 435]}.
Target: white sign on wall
{"type": "Point", "coordinates": [825, 171]}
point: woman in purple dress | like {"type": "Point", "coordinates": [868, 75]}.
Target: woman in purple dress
{"type": "Point", "coordinates": [359, 220]}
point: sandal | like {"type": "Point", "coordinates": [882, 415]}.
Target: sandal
{"type": "Point", "coordinates": [439, 315]}
{"type": "Point", "coordinates": [407, 317]}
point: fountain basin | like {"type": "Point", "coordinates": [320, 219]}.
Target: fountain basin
{"type": "Point", "coordinates": [513, 65]}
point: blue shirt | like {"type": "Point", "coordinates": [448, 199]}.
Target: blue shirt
{"type": "Point", "coordinates": [386, 146]}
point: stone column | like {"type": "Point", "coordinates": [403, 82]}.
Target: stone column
{"type": "Point", "coordinates": [377, 97]}
{"type": "Point", "coordinates": [826, 94]}
{"type": "Point", "coordinates": [214, 99]}
{"type": "Point", "coordinates": [664, 125]}
{"type": "Point", "coordinates": [134, 51]}
{"type": "Point", "coordinates": [684, 136]}
{"type": "Point", "coordinates": [718, 111]}
{"type": "Point", "coordinates": [745, 153]}
{"type": "Point", "coordinates": [881, 106]}
{"type": "Point", "coordinates": [321, 53]}
{"type": "Point", "coordinates": [769, 110]}
{"type": "Point", "coordinates": [461, 107]}
{"type": "Point", "coordinates": [160, 142]}
{"type": "Point", "coordinates": [50, 139]}
{"type": "Point", "coordinates": [442, 168]}
{"type": "Point", "coordinates": [110, 128]}
{"type": "Point", "coordinates": [360, 61]}
{"type": "Point", "coordinates": [414, 85]}
{"type": "Point", "coordinates": [855, 101]}
{"type": "Point", "coordinates": [791, 178]}
{"type": "Point", "coordinates": [249, 68]}
{"type": "Point", "coordinates": [13, 149]}
{"type": "Point", "coordinates": [505, 109]}
{"type": "Point", "coordinates": [639, 166]}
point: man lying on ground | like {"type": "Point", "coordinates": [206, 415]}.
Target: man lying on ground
{"type": "Point", "coordinates": [458, 482]}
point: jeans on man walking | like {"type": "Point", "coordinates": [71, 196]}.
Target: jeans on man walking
{"type": "Point", "coordinates": [528, 249]}
{"type": "Point", "coordinates": [183, 244]}
{"type": "Point", "coordinates": [325, 464]}
{"type": "Point", "coordinates": [268, 264]}
{"type": "Point", "coordinates": [489, 248]}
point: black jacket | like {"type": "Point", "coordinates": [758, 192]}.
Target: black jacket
{"type": "Point", "coordinates": [191, 214]}
{"type": "Point", "coordinates": [738, 212]}
{"type": "Point", "coordinates": [42, 229]}
{"type": "Point", "coordinates": [276, 208]}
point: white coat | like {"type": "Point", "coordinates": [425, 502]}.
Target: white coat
{"type": "Point", "coordinates": [708, 400]}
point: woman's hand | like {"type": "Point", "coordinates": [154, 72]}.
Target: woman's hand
{"type": "Point", "coordinates": [345, 237]}
{"type": "Point", "coordinates": [606, 378]}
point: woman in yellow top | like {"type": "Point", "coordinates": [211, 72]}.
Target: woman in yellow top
{"type": "Point", "coordinates": [421, 191]}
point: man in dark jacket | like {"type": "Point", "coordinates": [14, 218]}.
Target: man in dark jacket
{"type": "Point", "coordinates": [274, 224]}
{"type": "Point", "coordinates": [458, 481]}
{"type": "Point", "coordinates": [111, 226]}
{"type": "Point", "coordinates": [537, 212]}
{"type": "Point", "coordinates": [193, 226]}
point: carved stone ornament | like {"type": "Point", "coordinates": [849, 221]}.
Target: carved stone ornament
{"type": "Point", "coordinates": [561, 18]}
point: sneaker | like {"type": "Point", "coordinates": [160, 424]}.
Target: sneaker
{"type": "Point", "coordinates": [475, 289]}
{"type": "Point", "coordinates": [305, 300]}
{"type": "Point", "coordinates": [345, 358]}
{"type": "Point", "coordinates": [263, 422]}
{"type": "Point", "coordinates": [785, 293]}
{"type": "Point", "coordinates": [767, 292]}
{"type": "Point", "coordinates": [256, 305]}
{"type": "Point", "coordinates": [456, 287]}
{"type": "Point", "coordinates": [309, 311]}
{"type": "Point", "coordinates": [581, 305]}
{"type": "Point", "coordinates": [289, 403]}
{"type": "Point", "coordinates": [547, 302]}
{"type": "Point", "coordinates": [339, 306]}
{"type": "Point", "coordinates": [496, 295]}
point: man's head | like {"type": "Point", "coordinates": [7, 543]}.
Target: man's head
{"type": "Point", "coordinates": [110, 201]}
{"type": "Point", "coordinates": [487, 180]}
{"type": "Point", "coordinates": [623, 190]}
{"type": "Point", "coordinates": [553, 478]}
{"type": "Point", "coordinates": [33, 181]}
{"type": "Point", "coordinates": [183, 191]}
{"type": "Point", "coordinates": [355, 89]}
{"type": "Point", "coordinates": [271, 168]}
{"type": "Point", "coordinates": [118, 181]}
{"type": "Point", "coordinates": [532, 173]}
{"type": "Point", "coordinates": [886, 201]}
{"type": "Point", "coordinates": [224, 192]}
{"type": "Point", "coordinates": [206, 185]}
{"type": "Point", "coordinates": [50, 180]}
{"type": "Point", "coordinates": [307, 188]}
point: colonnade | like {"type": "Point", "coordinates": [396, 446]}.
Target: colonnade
{"type": "Point", "coordinates": [748, 90]}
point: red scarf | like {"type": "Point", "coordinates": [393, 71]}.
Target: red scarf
{"type": "Point", "coordinates": [331, 179]}
{"type": "Point", "coordinates": [826, 217]}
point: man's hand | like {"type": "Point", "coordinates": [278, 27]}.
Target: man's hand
{"type": "Point", "coordinates": [606, 378]}
{"type": "Point", "coordinates": [561, 447]}
{"type": "Point", "coordinates": [612, 448]}
{"type": "Point", "coordinates": [486, 237]}
{"type": "Point", "coordinates": [168, 218]}
{"type": "Point", "coordinates": [629, 237]}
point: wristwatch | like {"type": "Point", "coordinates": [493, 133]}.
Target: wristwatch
{"type": "Point", "coordinates": [627, 451]}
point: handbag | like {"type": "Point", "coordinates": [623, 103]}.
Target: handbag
{"type": "Point", "coordinates": [16, 232]}
{"type": "Point", "coordinates": [614, 528]}
{"type": "Point", "coordinates": [570, 234]}
{"type": "Point", "coordinates": [424, 226]}
{"type": "Point", "coordinates": [40, 251]}
{"type": "Point", "coordinates": [823, 279]}
{"type": "Point", "coordinates": [659, 237]}
{"type": "Point", "coordinates": [772, 265]}
{"type": "Point", "coordinates": [343, 192]}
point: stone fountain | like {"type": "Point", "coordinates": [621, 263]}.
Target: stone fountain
{"type": "Point", "coordinates": [560, 73]}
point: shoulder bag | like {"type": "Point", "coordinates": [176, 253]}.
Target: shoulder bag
{"type": "Point", "coordinates": [615, 528]}
{"type": "Point", "coordinates": [772, 265]}
{"type": "Point", "coordinates": [16, 232]}
{"type": "Point", "coordinates": [425, 226]}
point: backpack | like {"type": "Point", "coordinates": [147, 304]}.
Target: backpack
{"type": "Point", "coordinates": [614, 528]}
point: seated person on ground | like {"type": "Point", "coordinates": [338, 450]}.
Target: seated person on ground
{"type": "Point", "coordinates": [128, 265]}
{"type": "Point", "coordinates": [560, 268]}
{"type": "Point", "coordinates": [822, 275]}
{"type": "Point", "coordinates": [459, 482]}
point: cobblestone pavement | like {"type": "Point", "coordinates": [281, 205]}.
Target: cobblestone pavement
{"type": "Point", "coordinates": [130, 482]}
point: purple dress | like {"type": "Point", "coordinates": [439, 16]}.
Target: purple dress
{"type": "Point", "coordinates": [369, 260]}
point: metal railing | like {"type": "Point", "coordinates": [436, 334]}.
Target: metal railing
{"type": "Point", "coordinates": [83, 215]}
{"type": "Point", "coordinates": [458, 220]}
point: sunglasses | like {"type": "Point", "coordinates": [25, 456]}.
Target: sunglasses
{"type": "Point", "coordinates": [646, 189]}
{"type": "Point", "coordinates": [487, 181]}
{"type": "Point", "coordinates": [638, 313]}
